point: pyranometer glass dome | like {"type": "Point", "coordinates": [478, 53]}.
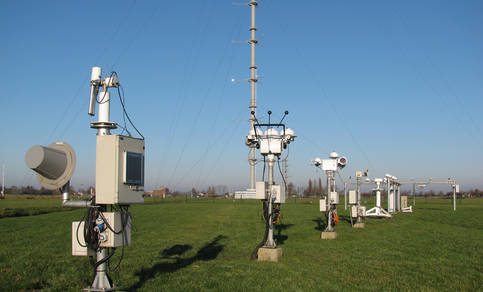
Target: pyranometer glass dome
{"type": "Point", "coordinates": [334, 155]}
{"type": "Point", "coordinates": [251, 133]}
{"type": "Point", "coordinates": [289, 133]}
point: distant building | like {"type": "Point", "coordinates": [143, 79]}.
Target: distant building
{"type": "Point", "coordinates": [248, 194]}
{"type": "Point", "coordinates": [160, 193]}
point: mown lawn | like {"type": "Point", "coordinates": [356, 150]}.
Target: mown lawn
{"type": "Point", "coordinates": [205, 245]}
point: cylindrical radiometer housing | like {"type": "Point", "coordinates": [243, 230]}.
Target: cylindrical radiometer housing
{"type": "Point", "coordinates": [46, 161]}
{"type": "Point", "coordinates": [96, 74]}
{"type": "Point", "coordinates": [54, 164]}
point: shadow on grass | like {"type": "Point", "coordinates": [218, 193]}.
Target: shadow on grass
{"type": "Point", "coordinates": [321, 224]}
{"type": "Point", "coordinates": [346, 218]}
{"type": "Point", "coordinates": [207, 253]}
{"type": "Point", "coordinates": [279, 238]}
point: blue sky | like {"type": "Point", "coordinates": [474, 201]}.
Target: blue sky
{"type": "Point", "coordinates": [396, 86]}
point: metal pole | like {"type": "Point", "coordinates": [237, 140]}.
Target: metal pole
{"type": "Point", "coordinates": [66, 202]}
{"type": "Point", "coordinates": [454, 197]}
{"type": "Point", "coordinates": [378, 197]}
{"type": "Point", "coordinates": [271, 162]}
{"type": "Point", "coordinates": [329, 206]}
{"type": "Point", "coordinates": [345, 195]}
{"type": "Point", "coordinates": [3, 180]}
{"type": "Point", "coordinates": [358, 194]}
{"type": "Point", "coordinates": [414, 194]}
{"type": "Point", "coordinates": [399, 195]}
{"type": "Point", "coordinates": [253, 88]}
{"type": "Point", "coordinates": [285, 170]}
{"type": "Point", "coordinates": [390, 196]}
{"type": "Point", "coordinates": [101, 281]}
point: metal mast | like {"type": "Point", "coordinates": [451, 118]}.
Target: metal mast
{"type": "Point", "coordinates": [253, 87]}
{"type": "Point", "coordinates": [3, 180]}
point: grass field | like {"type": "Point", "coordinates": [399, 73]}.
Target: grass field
{"type": "Point", "coordinates": [205, 245]}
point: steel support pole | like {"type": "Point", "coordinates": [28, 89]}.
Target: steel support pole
{"type": "Point", "coordinates": [414, 194]}
{"type": "Point", "coordinates": [345, 195]}
{"type": "Point", "coordinates": [3, 180]}
{"type": "Point", "coordinates": [358, 195]}
{"type": "Point", "coordinates": [454, 197]}
{"type": "Point", "coordinates": [329, 227]}
{"type": "Point", "coordinates": [101, 281]}
{"type": "Point", "coordinates": [378, 198]}
{"type": "Point", "coordinates": [271, 162]}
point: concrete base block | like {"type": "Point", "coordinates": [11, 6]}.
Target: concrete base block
{"type": "Point", "coordinates": [328, 235]}
{"type": "Point", "coordinates": [266, 254]}
{"type": "Point", "coordinates": [359, 225]}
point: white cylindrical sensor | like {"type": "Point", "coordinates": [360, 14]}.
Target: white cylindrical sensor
{"type": "Point", "coordinates": [46, 161]}
{"type": "Point", "coordinates": [96, 74]}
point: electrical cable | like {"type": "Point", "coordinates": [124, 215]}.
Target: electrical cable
{"type": "Point", "coordinates": [254, 254]}
{"type": "Point", "coordinates": [91, 237]}
{"type": "Point", "coordinates": [189, 69]}
{"type": "Point", "coordinates": [97, 264]}
{"type": "Point", "coordinates": [124, 110]}
{"type": "Point", "coordinates": [77, 232]}
{"type": "Point", "coordinates": [283, 178]}
{"type": "Point", "coordinates": [124, 223]}
{"type": "Point", "coordinates": [263, 172]}
{"type": "Point", "coordinates": [102, 101]}
{"type": "Point", "coordinates": [124, 128]}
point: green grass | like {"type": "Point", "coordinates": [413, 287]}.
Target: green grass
{"type": "Point", "coordinates": [28, 205]}
{"type": "Point", "coordinates": [205, 245]}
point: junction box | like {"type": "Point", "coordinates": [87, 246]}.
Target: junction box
{"type": "Point", "coordinates": [333, 198]}
{"type": "Point", "coordinates": [121, 224]}
{"type": "Point", "coordinates": [119, 170]}
{"type": "Point", "coordinates": [262, 192]}
{"type": "Point", "coordinates": [352, 197]}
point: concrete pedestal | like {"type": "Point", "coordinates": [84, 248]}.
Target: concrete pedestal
{"type": "Point", "coordinates": [359, 225]}
{"type": "Point", "coordinates": [328, 235]}
{"type": "Point", "coordinates": [266, 254]}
